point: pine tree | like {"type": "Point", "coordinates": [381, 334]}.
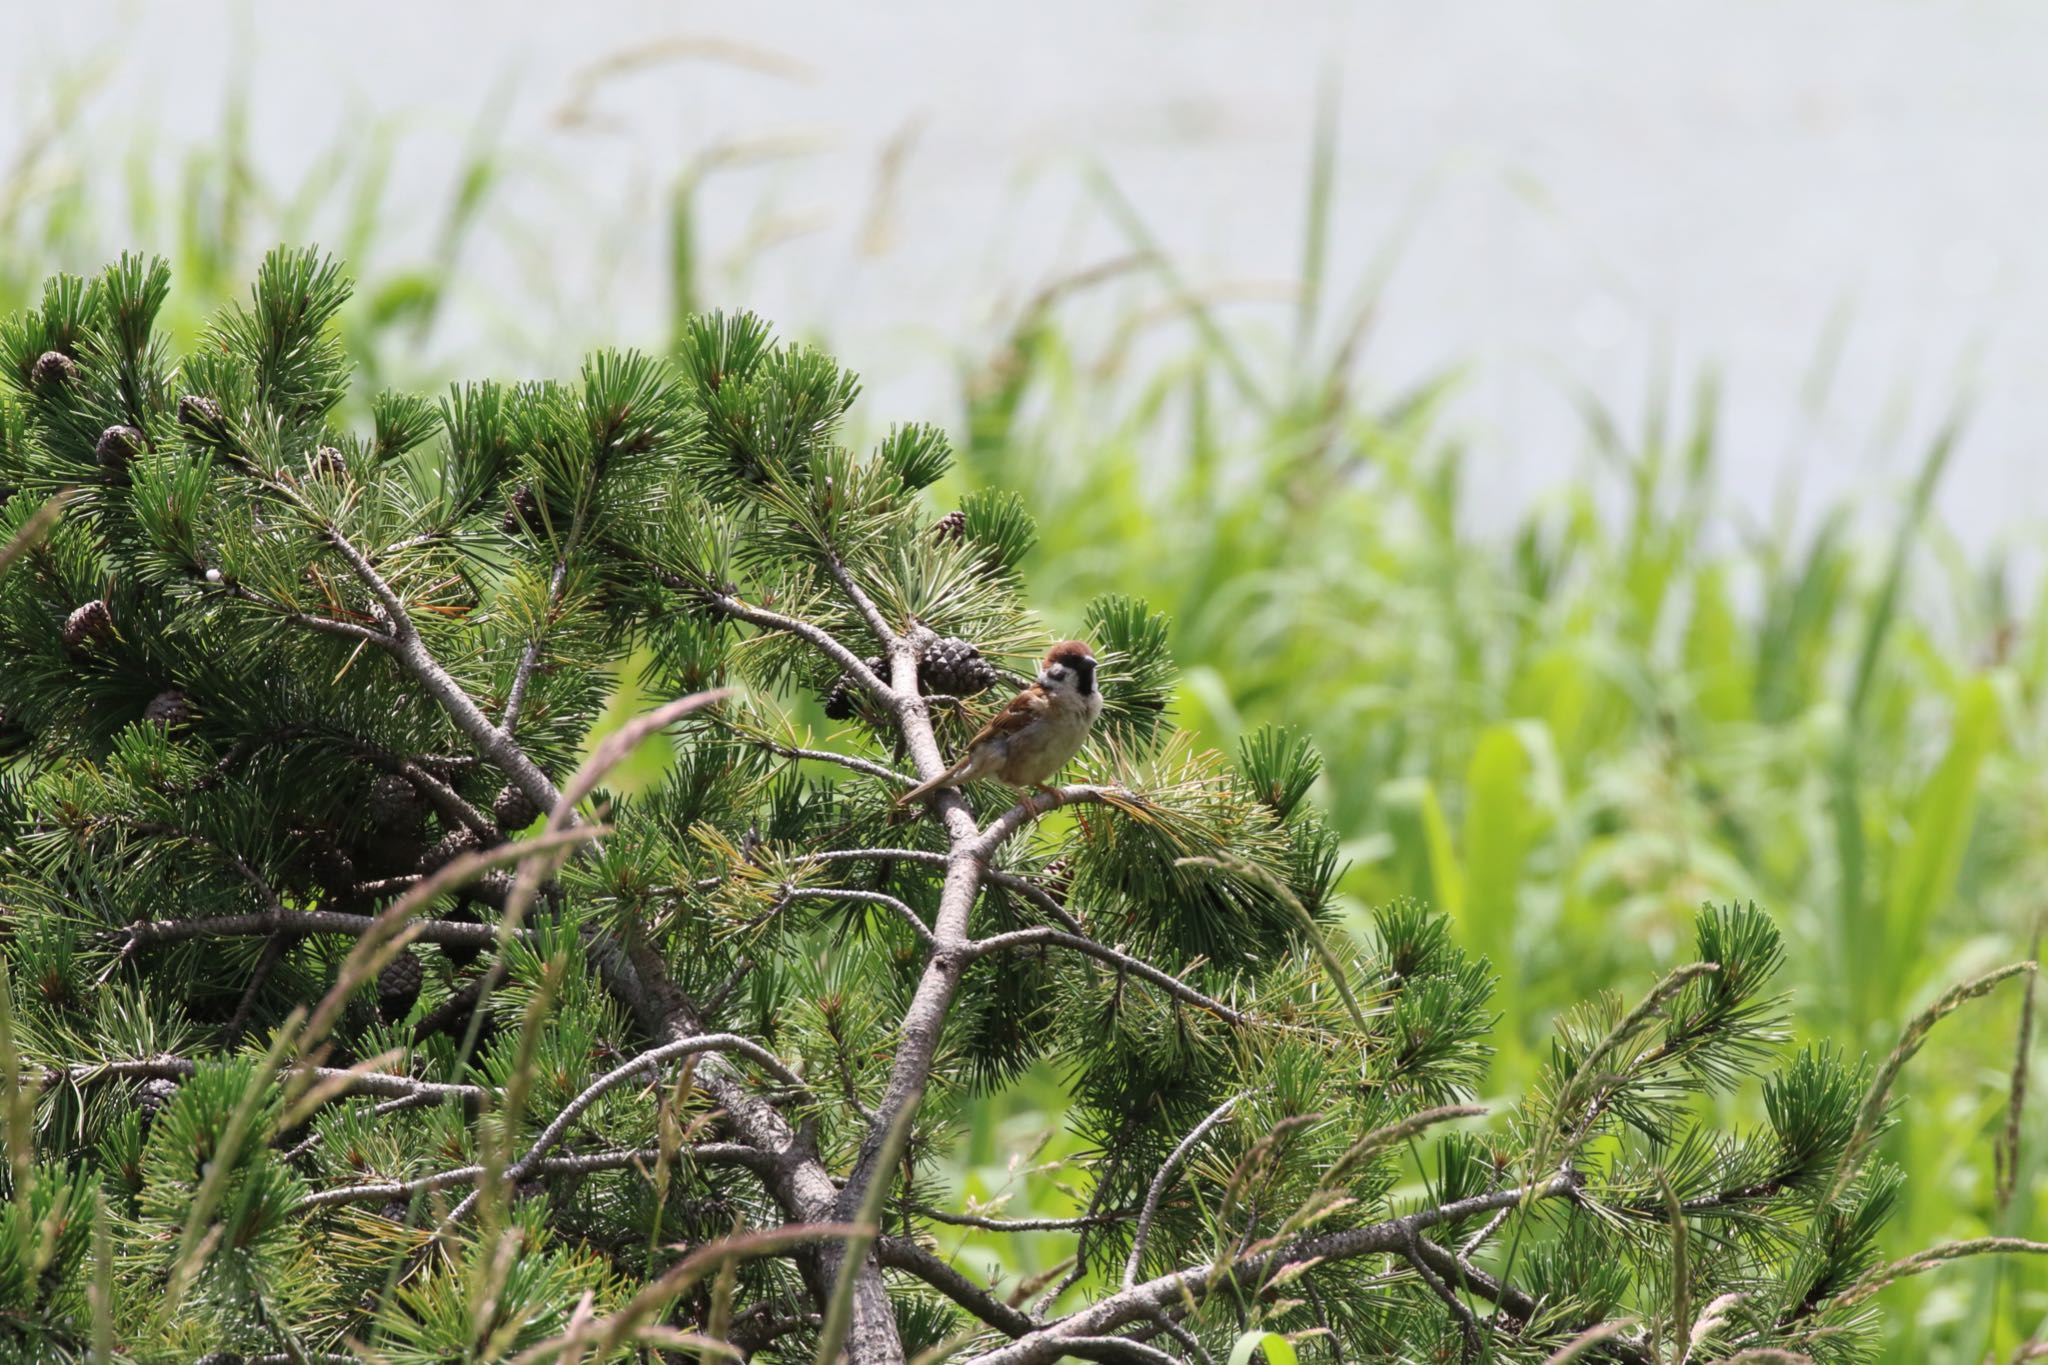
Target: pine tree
{"type": "Point", "coordinates": [308, 1054]}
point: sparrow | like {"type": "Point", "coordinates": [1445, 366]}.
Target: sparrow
{"type": "Point", "coordinates": [1033, 737]}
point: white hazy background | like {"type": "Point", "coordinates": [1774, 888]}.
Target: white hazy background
{"type": "Point", "coordinates": [1587, 194]}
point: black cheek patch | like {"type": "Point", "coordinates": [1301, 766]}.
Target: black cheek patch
{"type": "Point", "coordinates": [1084, 675]}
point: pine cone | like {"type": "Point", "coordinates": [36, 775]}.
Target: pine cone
{"type": "Point", "coordinates": [524, 512]}
{"type": "Point", "coordinates": [513, 809]}
{"type": "Point", "coordinates": [451, 846]}
{"type": "Point", "coordinates": [1057, 877]}
{"type": "Point", "coordinates": [398, 986]}
{"type": "Point", "coordinates": [326, 463]}
{"type": "Point", "coordinates": [951, 528]}
{"type": "Point", "coordinates": [51, 369]}
{"type": "Point", "coordinates": [461, 954]}
{"type": "Point", "coordinates": [954, 668]}
{"type": "Point", "coordinates": [394, 1211]}
{"type": "Point", "coordinates": [201, 413]}
{"type": "Point", "coordinates": [151, 1098]}
{"type": "Point", "coordinates": [89, 625]}
{"type": "Point", "coordinates": [117, 446]}
{"type": "Point", "coordinates": [394, 803]}
{"type": "Point", "coordinates": [842, 702]}
{"type": "Point", "coordinates": [168, 710]}
{"type": "Point", "coordinates": [335, 869]}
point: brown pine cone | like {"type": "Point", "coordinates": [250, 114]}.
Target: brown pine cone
{"type": "Point", "coordinates": [398, 986]}
{"type": "Point", "coordinates": [513, 809]}
{"type": "Point", "coordinates": [150, 1099]}
{"type": "Point", "coordinates": [201, 413]}
{"type": "Point", "coordinates": [51, 369]}
{"type": "Point", "coordinates": [326, 463]}
{"type": "Point", "coordinates": [451, 846]}
{"type": "Point", "coordinates": [91, 624]}
{"type": "Point", "coordinates": [118, 445]}
{"type": "Point", "coordinates": [461, 954]}
{"type": "Point", "coordinates": [168, 710]}
{"type": "Point", "coordinates": [524, 512]}
{"type": "Point", "coordinates": [395, 804]}
{"type": "Point", "coordinates": [951, 528]}
{"type": "Point", "coordinates": [954, 668]}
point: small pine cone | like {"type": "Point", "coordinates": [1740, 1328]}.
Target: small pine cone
{"type": "Point", "coordinates": [514, 809]}
{"type": "Point", "coordinates": [461, 954]}
{"type": "Point", "coordinates": [395, 804]}
{"type": "Point", "coordinates": [394, 1211]}
{"type": "Point", "coordinates": [89, 625]}
{"type": "Point", "coordinates": [51, 369]}
{"type": "Point", "coordinates": [117, 446]}
{"type": "Point", "coordinates": [524, 512]}
{"type": "Point", "coordinates": [951, 528]}
{"type": "Point", "coordinates": [326, 463]}
{"type": "Point", "coordinates": [954, 668]}
{"type": "Point", "coordinates": [398, 986]}
{"type": "Point", "coordinates": [150, 1100]}
{"type": "Point", "coordinates": [1057, 876]}
{"type": "Point", "coordinates": [451, 846]}
{"type": "Point", "coordinates": [335, 869]}
{"type": "Point", "coordinates": [201, 413]}
{"type": "Point", "coordinates": [842, 702]}
{"type": "Point", "coordinates": [168, 710]}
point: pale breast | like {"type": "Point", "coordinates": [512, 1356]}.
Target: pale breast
{"type": "Point", "coordinates": [1037, 752]}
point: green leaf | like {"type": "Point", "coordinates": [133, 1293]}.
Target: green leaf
{"type": "Point", "coordinates": [1925, 875]}
{"type": "Point", "coordinates": [1279, 1350]}
{"type": "Point", "coordinates": [1496, 841]}
{"type": "Point", "coordinates": [1422, 838]}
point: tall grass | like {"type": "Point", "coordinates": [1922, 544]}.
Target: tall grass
{"type": "Point", "coordinates": [1568, 735]}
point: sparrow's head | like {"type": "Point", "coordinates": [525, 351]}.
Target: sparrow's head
{"type": "Point", "coordinates": [1069, 664]}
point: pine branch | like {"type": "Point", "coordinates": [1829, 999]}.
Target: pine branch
{"type": "Point", "coordinates": [854, 896]}
{"type": "Point", "coordinates": [884, 635]}
{"type": "Point", "coordinates": [412, 652]}
{"type": "Point", "coordinates": [703, 1153]}
{"type": "Point", "coordinates": [1160, 1181]}
{"type": "Point", "coordinates": [852, 761]}
{"type": "Point", "coordinates": [296, 923]}
{"type": "Point", "coordinates": [975, 1220]}
{"type": "Point", "coordinates": [1088, 947]}
{"type": "Point", "coordinates": [324, 625]}
{"type": "Point", "coordinates": [901, 1253]}
{"type": "Point", "coordinates": [854, 667]}
{"type": "Point", "coordinates": [529, 658]}
{"type": "Point", "coordinates": [1197, 1283]}
{"type": "Point", "coordinates": [351, 1081]}
{"type": "Point", "coordinates": [1468, 1323]}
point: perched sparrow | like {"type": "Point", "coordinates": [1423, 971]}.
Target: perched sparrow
{"type": "Point", "coordinates": [1033, 737]}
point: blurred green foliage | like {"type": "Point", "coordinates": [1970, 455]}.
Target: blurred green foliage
{"type": "Point", "coordinates": [1568, 735]}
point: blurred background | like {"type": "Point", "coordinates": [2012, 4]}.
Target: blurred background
{"type": "Point", "coordinates": [1611, 430]}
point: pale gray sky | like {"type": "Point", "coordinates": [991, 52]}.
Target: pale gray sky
{"type": "Point", "coordinates": [1592, 185]}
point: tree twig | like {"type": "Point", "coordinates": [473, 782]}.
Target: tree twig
{"type": "Point", "coordinates": [1172, 985]}
{"type": "Point", "coordinates": [705, 1153]}
{"type": "Point", "coordinates": [1162, 1179]}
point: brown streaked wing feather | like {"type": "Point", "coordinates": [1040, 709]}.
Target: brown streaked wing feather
{"type": "Point", "coordinates": [1024, 708]}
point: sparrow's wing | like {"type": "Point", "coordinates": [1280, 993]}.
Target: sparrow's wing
{"type": "Point", "coordinates": [1024, 708]}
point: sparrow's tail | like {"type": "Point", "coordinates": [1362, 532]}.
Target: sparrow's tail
{"type": "Point", "coordinates": [948, 778]}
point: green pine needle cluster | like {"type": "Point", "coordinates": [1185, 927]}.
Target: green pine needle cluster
{"type": "Point", "coordinates": [312, 1050]}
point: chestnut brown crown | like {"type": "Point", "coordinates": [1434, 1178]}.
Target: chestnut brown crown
{"type": "Point", "coordinates": [1070, 662]}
